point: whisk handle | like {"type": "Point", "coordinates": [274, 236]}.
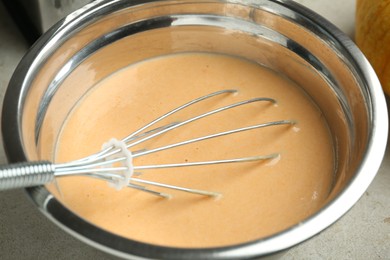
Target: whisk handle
{"type": "Point", "coordinates": [26, 174]}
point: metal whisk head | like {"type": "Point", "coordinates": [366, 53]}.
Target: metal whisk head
{"type": "Point", "coordinates": [114, 162]}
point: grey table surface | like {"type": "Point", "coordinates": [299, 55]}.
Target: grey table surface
{"type": "Point", "coordinates": [363, 233]}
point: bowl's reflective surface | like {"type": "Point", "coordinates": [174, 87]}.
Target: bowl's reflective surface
{"type": "Point", "coordinates": [108, 35]}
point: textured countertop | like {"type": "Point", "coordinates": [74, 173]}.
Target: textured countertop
{"type": "Point", "coordinates": [363, 233]}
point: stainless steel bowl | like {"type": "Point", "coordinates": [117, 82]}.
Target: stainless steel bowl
{"type": "Point", "coordinates": [282, 35]}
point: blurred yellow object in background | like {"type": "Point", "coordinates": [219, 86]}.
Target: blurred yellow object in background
{"type": "Point", "coordinates": [372, 35]}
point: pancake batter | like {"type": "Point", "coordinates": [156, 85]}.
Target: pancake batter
{"type": "Point", "coordinates": [258, 198]}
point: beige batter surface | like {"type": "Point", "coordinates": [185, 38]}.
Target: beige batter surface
{"type": "Point", "coordinates": [258, 198]}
